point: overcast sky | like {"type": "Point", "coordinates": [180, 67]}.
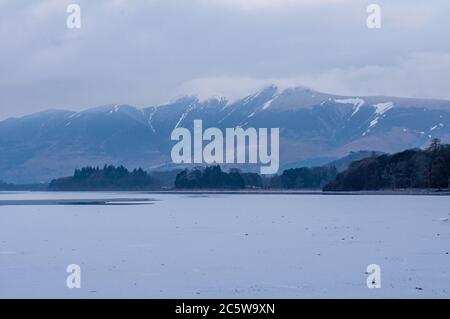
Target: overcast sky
{"type": "Point", "coordinates": [150, 51]}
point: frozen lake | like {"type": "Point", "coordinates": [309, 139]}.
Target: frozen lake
{"type": "Point", "coordinates": [220, 246]}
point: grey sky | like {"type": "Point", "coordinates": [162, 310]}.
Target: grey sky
{"type": "Point", "coordinates": [148, 52]}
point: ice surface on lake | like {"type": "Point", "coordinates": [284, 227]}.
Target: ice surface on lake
{"type": "Point", "coordinates": [237, 246]}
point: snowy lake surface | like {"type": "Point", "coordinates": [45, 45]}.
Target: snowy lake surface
{"type": "Point", "coordinates": [223, 246]}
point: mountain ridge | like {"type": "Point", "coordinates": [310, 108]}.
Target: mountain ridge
{"type": "Point", "coordinates": [48, 144]}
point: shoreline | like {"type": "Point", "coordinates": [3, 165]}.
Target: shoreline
{"type": "Point", "coordinates": [406, 192]}
{"type": "Point", "coordinates": [307, 192]}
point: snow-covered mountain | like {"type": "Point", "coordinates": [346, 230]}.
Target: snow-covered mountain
{"type": "Point", "coordinates": [312, 125]}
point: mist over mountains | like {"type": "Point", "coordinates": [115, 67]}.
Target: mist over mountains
{"type": "Point", "coordinates": [314, 126]}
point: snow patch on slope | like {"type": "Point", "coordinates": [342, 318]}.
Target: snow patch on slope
{"type": "Point", "coordinates": [382, 108]}
{"type": "Point", "coordinates": [115, 109]}
{"type": "Point", "coordinates": [267, 104]}
{"type": "Point", "coordinates": [374, 122]}
{"type": "Point", "coordinates": [356, 102]}
{"type": "Point", "coordinates": [150, 119]}
{"type": "Point", "coordinates": [436, 127]}
{"type": "Point", "coordinates": [186, 113]}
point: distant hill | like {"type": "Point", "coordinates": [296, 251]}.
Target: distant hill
{"type": "Point", "coordinates": [313, 162]}
{"type": "Point", "coordinates": [22, 187]}
{"type": "Point", "coordinates": [313, 125]}
{"type": "Point", "coordinates": [343, 163]}
{"type": "Point", "coordinates": [414, 168]}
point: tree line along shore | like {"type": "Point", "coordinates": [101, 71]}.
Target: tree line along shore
{"type": "Point", "coordinates": [413, 169]}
